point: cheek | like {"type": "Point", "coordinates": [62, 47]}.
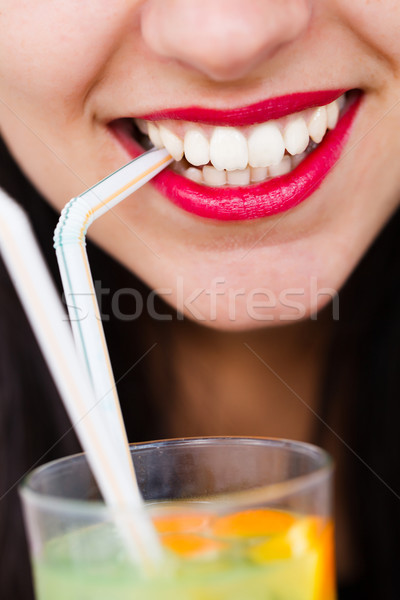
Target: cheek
{"type": "Point", "coordinates": [55, 50]}
{"type": "Point", "coordinates": [377, 23]}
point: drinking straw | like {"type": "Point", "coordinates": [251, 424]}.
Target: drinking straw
{"type": "Point", "coordinates": [70, 245]}
{"type": "Point", "coordinates": [44, 310]}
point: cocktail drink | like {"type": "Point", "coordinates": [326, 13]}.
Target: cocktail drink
{"type": "Point", "coordinates": [238, 519]}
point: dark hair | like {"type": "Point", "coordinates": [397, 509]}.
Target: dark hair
{"type": "Point", "coordinates": [359, 395]}
{"type": "Point", "coordinates": [361, 398]}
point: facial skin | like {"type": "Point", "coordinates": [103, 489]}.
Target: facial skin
{"type": "Point", "coordinates": [69, 69]}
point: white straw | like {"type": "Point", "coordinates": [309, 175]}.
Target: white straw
{"type": "Point", "coordinates": [70, 245]}
{"type": "Point", "coordinates": [48, 320]}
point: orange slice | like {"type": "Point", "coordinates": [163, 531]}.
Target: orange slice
{"type": "Point", "coordinates": [302, 536]}
{"type": "Point", "coordinates": [325, 586]}
{"type": "Point", "coordinates": [191, 545]}
{"type": "Point", "coordinates": [181, 523]}
{"type": "Point", "coordinates": [253, 523]}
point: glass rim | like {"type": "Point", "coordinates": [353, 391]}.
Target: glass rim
{"type": "Point", "coordinates": [264, 493]}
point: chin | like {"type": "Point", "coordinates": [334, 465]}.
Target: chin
{"type": "Point", "coordinates": [235, 308]}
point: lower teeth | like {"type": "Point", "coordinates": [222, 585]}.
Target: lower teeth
{"type": "Point", "coordinates": [210, 176]}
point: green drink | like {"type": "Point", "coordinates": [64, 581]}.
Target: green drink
{"type": "Point", "coordinates": [237, 542]}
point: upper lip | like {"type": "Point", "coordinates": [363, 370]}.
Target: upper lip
{"type": "Point", "coordinates": [259, 112]}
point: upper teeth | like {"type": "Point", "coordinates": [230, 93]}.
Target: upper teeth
{"type": "Point", "coordinates": [197, 147]}
{"type": "Point", "coordinates": [266, 145]}
{"type": "Point", "coordinates": [228, 149]}
{"type": "Point", "coordinates": [172, 142]}
{"type": "Point", "coordinates": [235, 149]}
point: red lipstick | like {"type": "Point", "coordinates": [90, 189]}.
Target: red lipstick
{"type": "Point", "coordinates": [266, 110]}
{"type": "Point", "coordinates": [255, 200]}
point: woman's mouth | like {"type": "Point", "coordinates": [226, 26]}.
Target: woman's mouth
{"type": "Point", "coordinates": [243, 164]}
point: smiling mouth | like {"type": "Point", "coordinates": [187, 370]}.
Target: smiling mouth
{"type": "Point", "coordinates": [243, 170]}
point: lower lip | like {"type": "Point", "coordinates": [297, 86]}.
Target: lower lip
{"type": "Point", "coordinates": [254, 201]}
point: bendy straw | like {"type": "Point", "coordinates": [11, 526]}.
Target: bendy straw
{"type": "Point", "coordinates": [48, 320]}
{"type": "Point", "coordinates": [70, 245]}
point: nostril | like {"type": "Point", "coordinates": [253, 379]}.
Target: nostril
{"type": "Point", "coordinates": [224, 40]}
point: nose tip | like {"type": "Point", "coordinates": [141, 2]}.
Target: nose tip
{"type": "Point", "coordinates": [223, 39]}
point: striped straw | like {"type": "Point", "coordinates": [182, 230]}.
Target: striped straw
{"type": "Point", "coordinates": [49, 323]}
{"type": "Point", "coordinates": [70, 245]}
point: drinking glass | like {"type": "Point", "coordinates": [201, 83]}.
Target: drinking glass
{"type": "Point", "coordinates": [238, 518]}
